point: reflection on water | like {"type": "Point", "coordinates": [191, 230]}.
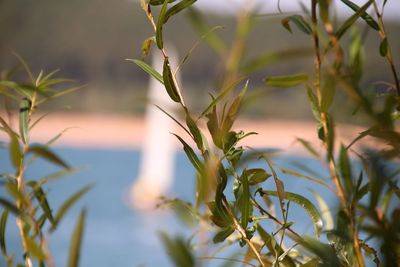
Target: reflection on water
{"type": "Point", "coordinates": [115, 234]}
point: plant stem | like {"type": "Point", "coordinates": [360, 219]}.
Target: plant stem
{"type": "Point", "coordinates": [324, 120]}
{"type": "Point", "coordinates": [242, 232]}
{"type": "Point", "coordinates": [389, 54]}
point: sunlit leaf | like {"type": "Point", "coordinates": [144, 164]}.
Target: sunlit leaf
{"type": "Point", "coordinates": [286, 80]}
{"type": "Point", "coordinates": [149, 69]}
{"type": "Point", "coordinates": [325, 211]}
{"type": "Point", "coordinates": [76, 241]}
{"type": "Point", "coordinates": [146, 46]}
{"type": "Point", "coordinates": [256, 175]}
{"type": "Point", "coordinates": [34, 249]}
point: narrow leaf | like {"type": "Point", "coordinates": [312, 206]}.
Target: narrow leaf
{"type": "Point", "coordinates": [24, 109]}
{"type": "Point", "coordinates": [34, 249]}
{"type": "Point", "coordinates": [10, 206]}
{"type": "Point", "coordinates": [350, 21]}
{"type": "Point", "coordinates": [76, 241]}
{"type": "Point", "coordinates": [178, 8]}
{"type": "Point", "coordinates": [223, 234]}
{"type": "Point", "coordinates": [306, 204]}
{"type": "Point", "coordinates": [197, 164]}
{"type": "Point", "coordinates": [149, 69]}
{"type": "Point", "coordinates": [299, 21]}
{"type": "Point", "coordinates": [160, 23]}
{"type": "Point", "coordinates": [45, 153]}
{"type": "Point", "coordinates": [3, 223]}
{"type": "Point", "coordinates": [68, 204]}
{"type": "Point", "coordinates": [368, 19]}
{"type": "Point", "coordinates": [383, 47]}
{"type": "Point", "coordinates": [286, 80]}
{"type": "Point", "coordinates": [15, 152]}
{"type": "Point", "coordinates": [170, 83]}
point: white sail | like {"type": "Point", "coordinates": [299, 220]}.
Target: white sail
{"type": "Point", "coordinates": [156, 169]}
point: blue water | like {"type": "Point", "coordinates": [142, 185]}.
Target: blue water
{"type": "Point", "coordinates": [116, 235]}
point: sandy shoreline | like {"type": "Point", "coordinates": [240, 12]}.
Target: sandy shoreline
{"type": "Point", "coordinates": [108, 131]}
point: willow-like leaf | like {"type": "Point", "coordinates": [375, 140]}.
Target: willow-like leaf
{"type": "Point", "coordinates": [45, 153]}
{"type": "Point", "coordinates": [10, 206]}
{"type": "Point", "coordinates": [147, 68]}
{"type": "Point", "coordinates": [34, 249]}
{"type": "Point", "coordinates": [76, 241]}
{"type": "Point", "coordinates": [160, 23]}
{"type": "Point", "coordinates": [169, 82]}
{"type": "Point", "coordinates": [197, 164]}
{"type": "Point", "coordinates": [299, 21]}
{"type": "Point", "coordinates": [286, 80]}
{"type": "Point", "coordinates": [24, 109]}
{"type": "Point", "coordinates": [368, 19]}
{"type": "Point", "coordinates": [178, 8]}
{"type": "Point", "coordinates": [304, 203]}
{"type": "Point", "coordinates": [3, 224]}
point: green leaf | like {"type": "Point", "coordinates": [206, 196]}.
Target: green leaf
{"type": "Point", "coordinates": [149, 69]}
{"type": "Point", "coordinates": [160, 23]}
{"type": "Point", "coordinates": [328, 93]}
{"type": "Point", "coordinates": [223, 234]}
{"type": "Point", "coordinates": [214, 41]}
{"type": "Point", "coordinates": [256, 175]}
{"type": "Point", "coordinates": [24, 109]}
{"type": "Point", "coordinates": [243, 201]}
{"type": "Point", "coordinates": [68, 204]}
{"type": "Point", "coordinates": [178, 251]}
{"type": "Point", "coordinates": [194, 130]}
{"type": "Point", "coordinates": [45, 153]}
{"type": "Point", "coordinates": [383, 47]}
{"type": "Point", "coordinates": [324, 10]}
{"type": "Point", "coordinates": [286, 80]}
{"type": "Point", "coordinates": [10, 206]}
{"type": "Point", "coordinates": [42, 199]}
{"type": "Point", "coordinates": [178, 8]}
{"type": "Point", "coordinates": [76, 241]}
{"type": "Point", "coordinates": [158, 2]}
{"type": "Point", "coordinates": [311, 263]}
{"type": "Point", "coordinates": [350, 21]}
{"type": "Point", "coordinates": [3, 223]}
{"type": "Point", "coordinates": [197, 164]}
{"type": "Point", "coordinates": [34, 249]}
{"type": "Point", "coordinates": [308, 147]}
{"type": "Point", "coordinates": [325, 211]}
{"type": "Point", "coordinates": [15, 152]}
{"type": "Point", "coordinates": [345, 170]}
{"type": "Point", "coordinates": [368, 19]}
{"type": "Point", "coordinates": [304, 203]}
{"type": "Point", "coordinates": [299, 21]}
{"type": "Point", "coordinates": [325, 252]}
{"type": "Point", "coordinates": [170, 83]}
{"type": "Point", "coordinates": [220, 96]}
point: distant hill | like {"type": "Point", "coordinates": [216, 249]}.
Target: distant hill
{"type": "Point", "coordinates": [89, 40]}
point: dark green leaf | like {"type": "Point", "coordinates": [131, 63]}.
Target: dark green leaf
{"type": "Point", "coordinates": [10, 206]}
{"type": "Point", "coordinates": [324, 10]}
{"type": "Point", "coordinates": [383, 47]}
{"type": "Point", "coordinates": [159, 2]}
{"type": "Point", "coordinates": [45, 153]}
{"type": "Point", "coordinates": [299, 21]}
{"type": "Point", "coordinates": [325, 252]}
{"type": "Point", "coordinates": [304, 203]}
{"type": "Point", "coordinates": [345, 170]}
{"type": "Point", "coordinates": [286, 80]}
{"type": "Point", "coordinates": [3, 223]}
{"type": "Point", "coordinates": [149, 69]}
{"type": "Point", "coordinates": [197, 164]}
{"type": "Point", "coordinates": [243, 200]}
{"type": "Point", "coordinates": [195, 131]}
{"type": "Point", "coordinates": [24, 109]}
{"type": "Point", "coordinates": [160, 23]}
{"type": "Point", "coordinates": [223, 234]}
{"type": "Point", "coordinates": [178, 8]}
{"type": "Point", "coordinates": [76, 241]}
{"type": "Point", "coordinates": [350, 21]}
{"type": "Point", "coordinates": [42, 199]}
{"type": "Point", "coordinates": [368, 19]}
{"type": "Point", "coordinates": [68, 204]}
{"type": "Point", "coordinates": [170, 83]}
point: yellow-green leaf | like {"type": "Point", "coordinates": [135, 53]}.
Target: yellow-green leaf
{"type": "Point", "coordinates": [147, 68]}
{"type": "Point", "coordinates": [76, 241]}
{"type": "Point", "coordinates": [286, 80]}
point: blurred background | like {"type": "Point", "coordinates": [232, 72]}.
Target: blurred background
{"type": "Point", "coordinates": [89, 42]}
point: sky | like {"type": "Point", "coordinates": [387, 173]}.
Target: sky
{"type": "Point", "coordinates": [392, 9]}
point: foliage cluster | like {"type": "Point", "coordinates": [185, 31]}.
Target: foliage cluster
{"type": "Point", "coordinates": [366, 225]}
